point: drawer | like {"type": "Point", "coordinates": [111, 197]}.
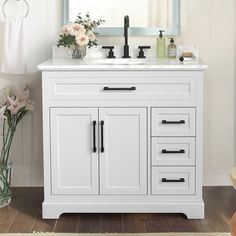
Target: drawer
{"type": "Point", "coordinates": [173, 122]}
{"type": "Point", "coordinates": [173, 151]}
{"type": "Point", "coordinates": [173, 180]}
{"type": "Point", "coordinates": [120, 86]}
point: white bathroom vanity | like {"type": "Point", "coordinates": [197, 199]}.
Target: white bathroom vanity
{"type": "Point", "coordinates": [122, 137]}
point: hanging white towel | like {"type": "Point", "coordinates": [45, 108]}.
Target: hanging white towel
{"type": "Point", "coordinates": [14, 47]}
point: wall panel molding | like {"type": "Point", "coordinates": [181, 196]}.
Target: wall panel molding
{"type": "Point", "coordinates": [44, 21]}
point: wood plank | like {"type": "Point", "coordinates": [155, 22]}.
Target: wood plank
{"type": "Point", "coordinates": [158, 223]}
{"type": "Point", "coordinates": [67, 223]}
{"type": "Point", "coordinates": [129, 223]}
{"type": "Point", "coordinates": [135, 223]}
{"type": "Point", "coordinates": [169, 223]}
{"type": "Point", "coordinates": [227, 196]}
{"type": "Point", "coordinates": [89, 223]}
{"type": "Point", "coordinates": [179, 223]}
{"type": "Point", "coordinates": [27, 202]}
{"type": "Point", "coordinates": [7, 216]}
{"type": "Point", "coordinates": [41, 225]}
{"type": "Point", "coordinates": [111, 223]}
{"type": "Point", "coordinates": [24, 215]}
{"type": "Point", "coordinates": [216, 216]}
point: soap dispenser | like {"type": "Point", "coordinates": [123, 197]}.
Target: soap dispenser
{"type": "Point", "coordinates": [161, 45]}
{"type": "Point", "coordinates": [172, 52]}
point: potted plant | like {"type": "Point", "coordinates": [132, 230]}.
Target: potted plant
{"type": "Point", "coordinates": [79, 35]}
{"type": "Point", "coordinates": [14, 105]}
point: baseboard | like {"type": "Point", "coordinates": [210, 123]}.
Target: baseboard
{"type": "Point", "coordinates": [23, 177]}
{"type": "Point", "coordinates": [26, 177]}
{"type": "Point", "coordinates": [217, 178]}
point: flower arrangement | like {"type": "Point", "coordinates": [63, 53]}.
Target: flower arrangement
{"type": "Point", "coordinates": [80, 33]}
{"type": "Point", "coordinates": [14, 105]}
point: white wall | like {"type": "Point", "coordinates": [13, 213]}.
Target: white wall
{"type": "Point", "coordinates": [202, 24]}
{"type": "Point", "coordinates": [234, 83]}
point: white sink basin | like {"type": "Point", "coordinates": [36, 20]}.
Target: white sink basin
{"type": "Point", "coordinates": [121, 61]}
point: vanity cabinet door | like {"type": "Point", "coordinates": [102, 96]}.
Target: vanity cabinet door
{"type": "Point", "coordinates": [74, 158]}
{"type": "Point", "coordinates": [123, 152]}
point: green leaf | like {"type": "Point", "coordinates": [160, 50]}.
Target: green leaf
{"type": "Point", "coordinates": [22, 112]}
{"type": "Point", "coordinates": [66, 40]}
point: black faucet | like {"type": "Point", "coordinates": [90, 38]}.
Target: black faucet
{"type": "Point", "coordinates": [126, 47]}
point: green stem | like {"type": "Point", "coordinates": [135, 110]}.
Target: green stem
{"type": "Point", "coordinates": [3, 131]}
{"type": "Point", "coordinates": [9, 147]}
{"type": "Point", "coordinates": [6, 190]}
{"type": "Point", "coordinates": [3, 152]}
{"type": "Point", "coordinates": [4, 149]}
{"type": "Point", "coordinates": [3, 140]}
{"type": "Point", "coordinates": [8, 142]}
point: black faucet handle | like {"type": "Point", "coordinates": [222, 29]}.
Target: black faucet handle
{"type": "Point", "coordinates": [141, 52]}
{"type": "Point", "coordinates": [111, 52]}
{"type": "Point", "coordinates": [144, 47]}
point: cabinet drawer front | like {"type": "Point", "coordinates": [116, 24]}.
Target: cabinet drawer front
{"type": "Point", "coordinates": [173, 151]}
{"type": "Point", "coordinates": [173, 122]}
{"type": "Point", "coordinates": [173, 180]}
{"type": "Point", "coordinates": [180, 89]}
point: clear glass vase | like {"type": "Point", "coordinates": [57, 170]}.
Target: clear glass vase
{"type": "Point", "coordinates": [79, 52]}
{"type": "Point", "coordinates": [5, 184]}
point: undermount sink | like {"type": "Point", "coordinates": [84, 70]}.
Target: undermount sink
{"type": "Point", "coordinates": [121, 61]}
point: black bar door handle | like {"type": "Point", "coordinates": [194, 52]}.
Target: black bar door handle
{"type": "Point", "coordinates": [181, 151]}
{"type": "Point", "coordinates": [173, 122]}
{"type": "Point", "coordinates": [94, 136]}
{"type": "Point", "coordinates": [119, 89]}
{"type": "Point", "coordinates": [102, 137]}
{"type": "Point", "coordinates": [165, 180]}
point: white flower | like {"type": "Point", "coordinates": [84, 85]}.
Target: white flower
{"type": "Point", "coordinates": [92, 36]}
{"type": "Point", "coordinates": [2, 111]}
{"type": "Point", "coordinates": [76, 29]}
{"type": "Point", "coordinates": [4, 93]}
{"type": "Point", "coordinates": [24, 95]}
{"type": "Point", "coordinates": [64, 29]}
{"type": "Point", "coordinates": [15, 105]}
{"type": "Point", "coordinates": [29, 105]}
{"type": "Point", "coordinates": [82, 39]}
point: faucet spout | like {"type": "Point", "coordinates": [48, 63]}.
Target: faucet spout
{"type": "Point", "coordinates": [126, 35]}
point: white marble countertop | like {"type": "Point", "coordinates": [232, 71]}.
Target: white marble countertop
{"type": "Point", "coordinates": [104, 64]}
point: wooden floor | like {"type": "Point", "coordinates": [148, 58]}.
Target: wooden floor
{"type": "Point", "coordinates": [24, 215]}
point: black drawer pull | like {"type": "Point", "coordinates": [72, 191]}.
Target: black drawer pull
{"type": "Point", "coordinates": [181, 180]}
{"type": "Point", "coordinates": [102, 137]}
{"type": "Point", "coordinates": [94, 137]}
{"type": "Point", "coordinates": [119, 89]}
{"type": "Point", "coordinates": [164, 122]}
{"type": "Point", "coordinates": [181, 151]}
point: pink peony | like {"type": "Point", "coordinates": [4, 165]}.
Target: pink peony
{"type": "Point", "coordinates": [76, 29]}
{"type": "Point", "coordinates": [82, 39]}
{"type": "Point", "coordinates": [64, 29]}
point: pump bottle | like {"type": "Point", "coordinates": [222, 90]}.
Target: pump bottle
{"type": "Point", "coordinates": [172, 49]}
{"type": "Point", "coordinates": [161, 45]}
